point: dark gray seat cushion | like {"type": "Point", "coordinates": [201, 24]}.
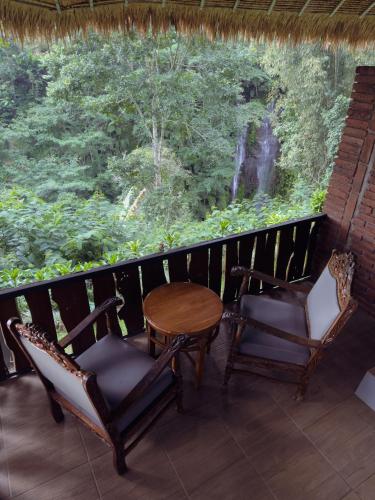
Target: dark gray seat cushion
{"type": "Point", "coordinates": [119, 367]}
{"type": "Point", "coordinates": [282, 315]}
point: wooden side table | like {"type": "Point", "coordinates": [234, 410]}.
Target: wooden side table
{"type": "Point", "coordinates": [187, 308]}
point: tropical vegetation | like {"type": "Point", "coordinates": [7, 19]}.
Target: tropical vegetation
{"type": "Point", "coordinates": [117, 146]}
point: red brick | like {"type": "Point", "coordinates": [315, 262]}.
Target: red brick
{"type": "Point", "coordinates": [371, 124]}
{"type": "Point", "coordinates": [368, 146]}
{"type": "Point", "coordinates": [369, 229]}
{"type": "Point", "coordinates": [344, 155]}
{"type": "Point", "coordinates": [366, 262]}
{"type": "Point", "coordinates": [362, 124]}
{"type": "Point", "coordinates": [361, 106]}
{"type": "Point", "coordinates": [368, 202]}
{"type": "Point", "coordinates": [348, 139]}
{"type": "Point", "coordinates": [368, 219]}
{"type": "Point", "coordinates": [352, 150]}
{"type": "Point", "coordinates": [334, 213]}
{"type": "Point", "coordinates": [346, 165]}
{"type": "Point", "coordinates": [363, 97]}
{"type": "Point", "coordinates": [350, 206]}
{"type": "Point", "coordinates": [359, 176]}
{"type": "Point", "coordinates": [359, 114]}
{"type": "Point", "coordinates": [344, 171]}
{"type": "Point", "coordinates": [365, 70]}
{"type": "Point", "coordinates": [369, 195]}
{"type": "Point", "coordinates": [354, 132]}
{"type": "Point", "coordinates": [340, 192]}
{"type": "Point", "coordinates": [335, 201]}
{"type": "Point", "coordinates": [338, 179]}
{"type": "Point", "coordinates": [365, 79]}
{"type": "Point", "coordinates": [364, 209]}
{"type": "Point", "coordinates": [364, 88]}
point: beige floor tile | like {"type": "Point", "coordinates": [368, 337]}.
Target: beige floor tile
{"type": "Point", "coordinates": [351, 496]}
{"type": "Point", "coordinates": [77, 484]}
{"type": "Point", "coordinates": [48, 456]}
{"type": "Point", "coordinates": [237, 482]}
{"type": "Point", "coordinates": [149, 475]}
{"type": "Point", "coordinates": [94, 446]}
{"type": "Point", "coordinates": [309, 477]}
{"type": "Point", "coordinates": [366, 490]}
{"type": "Point", "coordinates": [348, 440]}
{"type": "Point", "coordinates": [199, 449]}
{"type": "Point", "coordinates": [4, 471]}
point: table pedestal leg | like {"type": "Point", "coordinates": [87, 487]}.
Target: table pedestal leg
{"type": "Point", "coordinates": [151, 345]}
{"type": "Point", "coordinates": [199, 368]}
{"type": "Point", "coordinates": [199, 364]}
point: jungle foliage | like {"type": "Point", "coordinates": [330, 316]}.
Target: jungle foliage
{"type": "Point", "coordinates": [114, 147]}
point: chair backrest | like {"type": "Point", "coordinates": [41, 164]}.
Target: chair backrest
{"type": "Point", "coordinates": [51, 362]}
{"type": "Point", "coordinates": [330, 298]}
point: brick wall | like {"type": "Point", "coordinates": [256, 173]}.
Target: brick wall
{"type": "Point", "coordinates": [350, 202]}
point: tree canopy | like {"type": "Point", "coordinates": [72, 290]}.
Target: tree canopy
{"type": "Point", "coordinates": [115, 146]}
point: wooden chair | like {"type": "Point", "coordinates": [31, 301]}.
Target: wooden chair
{"type": "Point", "coordinates": [284, 335]}
{"type": "Point", "coordinates": [114, 389]}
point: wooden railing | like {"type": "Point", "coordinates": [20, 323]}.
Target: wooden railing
{"type": "Point", "coordinates": [283, 250]}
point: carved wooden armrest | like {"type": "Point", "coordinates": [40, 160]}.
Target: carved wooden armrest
{"type": "Point", "coordinates": [247, 273]}
{"type": "Point", "coordinates": [242, 321]}
{"type": "Point", "coordinates": [89, 320]}
{"type": "Point", "coordinates": [144, 385]}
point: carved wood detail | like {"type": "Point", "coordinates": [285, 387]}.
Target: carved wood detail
{"type": "Point", "coordinates": [41, 339]}
{"type": "Point", "coordinates": [341, 266]}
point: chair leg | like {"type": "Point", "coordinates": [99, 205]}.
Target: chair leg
{"type": "Point", "coordinates": [302, 387]}
{"type": "Point", "coordinates": [56, 411]}
{"type": "Point", "coordinates": [179, 383]}
{"type": "Point", "coordinates": [230, 362]}
{"type": "Point", "coordinates": [119, 462]}
{"type": "Point", "coordinates": [229, 367]}
{"type": "Point", "coordinates": [179, 401]}
{"type": "Point", "coordinates": [228, 373]}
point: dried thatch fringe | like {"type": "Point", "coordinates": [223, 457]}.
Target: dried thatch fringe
{"type": "Point", "coordinates": [25, 21]}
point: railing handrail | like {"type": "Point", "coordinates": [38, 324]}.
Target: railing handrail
{"type": "Point", "coordinates": [7, 293]}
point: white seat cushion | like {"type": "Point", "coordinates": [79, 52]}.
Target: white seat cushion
{"type": "Point", "coordinates": [322, 305]}
{"type": "Point", "coordinates": [282, 315]}
{"type": "Point", "coordinates": [119, 367]}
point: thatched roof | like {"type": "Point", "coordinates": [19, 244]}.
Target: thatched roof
{"type": "Point", "coordinates": [351, 21]}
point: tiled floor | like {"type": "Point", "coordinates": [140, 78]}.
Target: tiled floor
{"type": "Point", "coordinates": [255, 442]}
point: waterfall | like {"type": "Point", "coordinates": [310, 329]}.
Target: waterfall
{"type": "Point", "coordinates": [267, 152]}
{"type": "Point", "coordinates": [239, 160]}
{"type": "Point", "coordinates": [255, 167]}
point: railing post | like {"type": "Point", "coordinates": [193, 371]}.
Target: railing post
{"type": "Point", "coordinates": [8, 309]}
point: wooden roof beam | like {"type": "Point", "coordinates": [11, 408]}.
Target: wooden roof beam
{"type": "Point", "coordinates": [306, 4]}
{"type": "Point", "coordinates": [337, 8]}
{"type": "Point", "coordinates": [271, 7]}
{"type": "Point", "coordinates": [369, 8]}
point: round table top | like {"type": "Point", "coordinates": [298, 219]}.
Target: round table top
{"type": "Point", "coordinates": [177, 308]}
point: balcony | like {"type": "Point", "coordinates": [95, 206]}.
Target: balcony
{"type": "Point", "coordinates": [255, 442]}
{"type": "Point", "coordinates": [253, 438]}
